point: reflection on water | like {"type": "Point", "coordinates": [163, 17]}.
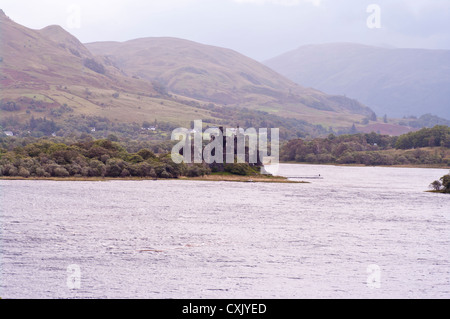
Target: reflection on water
{"type": "Point", "coordinates": [194, 239]}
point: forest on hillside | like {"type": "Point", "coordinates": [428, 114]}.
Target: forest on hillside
{"type": "Point", "coordinates": [63, 121]}
{"type": "Point", "coordinates": [428, 146]}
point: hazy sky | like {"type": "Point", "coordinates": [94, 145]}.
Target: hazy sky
{"type": "Point", "coordinates": [260, 29]}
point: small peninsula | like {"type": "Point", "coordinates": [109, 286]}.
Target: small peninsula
{"type": "Point", "coordinates": [89, 159]}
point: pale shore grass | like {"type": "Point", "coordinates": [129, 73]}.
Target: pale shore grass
{"type": "Point", "coordinates": [211, 178]}
{"type": "Point", "coordinates": [437, 192]}
{"type": "Point", "coordinates": [247, 179]}
{"type": "Point", "coordinates": [438, 166]}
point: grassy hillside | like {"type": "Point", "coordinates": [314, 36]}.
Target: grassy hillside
{"type": "Point", "coordinates": [225, 77]}
{"type": "Point", "coordinates": [53, 84]}
{"type": "Point", "coordinates": [44, 70]}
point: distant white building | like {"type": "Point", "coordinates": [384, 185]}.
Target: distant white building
{"type": "Point", "coordinates": [93, 129]}
{"type": "Point", "coordinates": [8, 133]}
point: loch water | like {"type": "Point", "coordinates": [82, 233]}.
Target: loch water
{"type": "Point", "coordinates": [355, 232]}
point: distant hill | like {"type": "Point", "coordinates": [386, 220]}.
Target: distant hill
{"type": "Point", "coordinates": [51, 83]}
{"type": "Point", "coordinates": [41, 58]}
{"type": "Point", "coordinates": [49, 74]}
{"type": "Point", "coordinates": [396, 82]}
{"type": "Point", "coordinates": [225, 77]}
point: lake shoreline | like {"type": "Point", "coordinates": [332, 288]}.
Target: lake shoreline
{"type": "Point", "coordinates": [210, 178]}
{"type": "Point", "coordinates": [436, 192]}
{"type": "Point", "coordinates": [432, 166]}
{"type": "Point", "coordinates": [215, 177]}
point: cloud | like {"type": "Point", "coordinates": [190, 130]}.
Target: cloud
{"type": "Point", "coordinates": [280, 2]}
{"type": "Point", "coordinates": [258, 28]}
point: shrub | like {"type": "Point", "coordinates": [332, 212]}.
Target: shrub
{"type": "Point", "coordinates": [175, 170]}
{"type": "Point", "coordinates": [40, 172]}
{"type": "Point", "coordinates": [325, 158]}
{"type": "Point", "coordinates": [125, 173]}
{"type": "Point", "coordinates": [196, 170]}
{"type": "Point", "coordinates": [146, 170]}
{"type": "Point", "coordinates": [238, 169]}
{"type": "Point", "coordinates": [96, 168]}
{"type": "Point", "coordinates": [23, 172]}
{"type": "Point", "coordinates": [152, 173]}
{"type": "Point", "coordinates": [97, 152]}
{"type": "Point", "coordinates": [10, 106]}
{"type": "Point", "coordinates": [73, 169]}
{"type": "Point", "coordinates": [446, 183]}
{"type": "Point", "coordinates": [165, 174]}
{"type": "Point", "coordinates": [60, 172]}
{"type": "Point", "coordinates": [310, 158]}
{"type": "Point", "coordinates": [146, 154]}
{"type": "Point", "coordinates": [64, 157]}
{"type": "Point", "coordinates": [402, 160]}
{"type": "Point", "coordinates": [113, 138]}
{"type": "Point", "coordinates": [32, 150]}
{"type": "Point", "coordinates": [85, 171]}
{"type": "Point", "coordinates": [114, 167]}
{"type": "Point", "coordinates": [10, 170]}
{"type": "Point", "coordinates": [104, 158]}
{"type": "Point", "coordinates": [347, 158]}
{"type": "Point", "coordinates": [436, 185]}
{"type": "Point", "coordinates": [135, 158]}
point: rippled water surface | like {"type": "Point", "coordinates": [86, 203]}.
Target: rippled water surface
{"type": "Point", "coordinates": [195, 239]}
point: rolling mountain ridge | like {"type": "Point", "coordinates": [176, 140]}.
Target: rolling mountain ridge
{"type": "Point", "coordinates": [220, 76]}
{"type": "Point", "coordinates": [396, 82]}
{"type": "Point", "coordinates": [42, 70]}
{"type": "Point", "coordinates": [49, 73]}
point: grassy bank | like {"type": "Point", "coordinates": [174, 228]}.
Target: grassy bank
{"type": "Point", "coordinates": [438, 166]}
{"type": "Point", "coordinates": [213, 177]}
{"type": "Point", "coordinates": [238, 178]}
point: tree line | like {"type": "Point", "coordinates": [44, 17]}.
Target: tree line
{"type": "Point", "coordinates": [97, 126]}
{"type": "Point", "coordinates": [372, 149]}
{"type": "Point", "coordinates": [30, 157]}
{"type": "Point", "coordinates": [85, 156]}
{"type": "Point", "coordinates": [427, 137]}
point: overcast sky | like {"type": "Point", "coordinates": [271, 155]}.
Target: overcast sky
{"type": "Point", "coordinates": [260, 29]}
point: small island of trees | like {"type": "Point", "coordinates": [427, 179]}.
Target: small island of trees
{"type": "Point", "coordinates": [442, 185]}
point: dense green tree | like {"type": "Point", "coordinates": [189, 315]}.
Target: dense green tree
{"type": "Point", "coordinates": [369, 149]}
{"type": "Point", "coordinates": [436, 185]}
{"type": "Point", "coordinates": [446, 183]}
{"type": "Point", "coordinates": [427, 137]}
{"type": "Point", "coordinates": [146, 154]}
